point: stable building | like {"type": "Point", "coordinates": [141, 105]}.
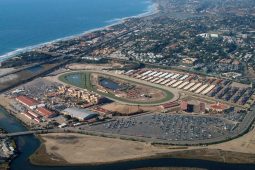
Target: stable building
{"type": "Point", "coordinates": [46, 113]}
{"type": "Point", "coordinates": [29, 102]}
{"type": "Point", "coordinates": [170, 105]}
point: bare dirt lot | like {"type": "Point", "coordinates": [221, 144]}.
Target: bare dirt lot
{"type": "Point", "coordinates": [8, 78]}
{"type": "Point", "coordinates": [127, 109]}
{"type": "Point", "coordinates": [4, 71]}
{"type": "Point", "coordinates": [244, 144]}
{"type": "Point", "coordinates": [251, 73]}
{"type": "Point", "coordinates": [64, 149]}
{"type": "Point", "coordinates": [78, 66]}
{"type": "Point", "coordinates": [83, 149]}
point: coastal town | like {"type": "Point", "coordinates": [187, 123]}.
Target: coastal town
{"type": "Point", "coordinates": [183, 76]}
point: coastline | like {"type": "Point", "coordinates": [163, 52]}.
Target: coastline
{"type": "Point", "coordinates": [152, 9]}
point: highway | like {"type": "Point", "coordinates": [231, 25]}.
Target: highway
{"type": "Point", "coordinates": [17, 134]}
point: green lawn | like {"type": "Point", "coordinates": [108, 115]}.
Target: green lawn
{"type": "Point", "coordinates": [84, 78]}
{"type": "Point", "coordinates": [83, 81]}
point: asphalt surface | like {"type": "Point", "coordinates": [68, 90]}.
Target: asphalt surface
{"type": "Point", "coordinates": [159, 129]}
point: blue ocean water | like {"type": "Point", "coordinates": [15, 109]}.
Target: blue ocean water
{"type": "Point", "coordinates": [29, 22]}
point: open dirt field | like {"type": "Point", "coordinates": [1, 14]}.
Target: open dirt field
{"type": "Point", "coordinates": [78, 66]}
{"type": "Point", "coordinates": [251, 73]}
{"type": "Point", "coordinates": [8, 78]}
{"type": "Point", "coordinates": [82, 149]}
{"type": "Point", "coordinates": [4, 71]}
{"type": "Point", "coordinates": [127, 109]}
{"type": "Point", "coordinates": [244, 144]}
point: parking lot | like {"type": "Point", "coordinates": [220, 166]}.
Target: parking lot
{"type": "Point", "coordinates": [167, 127]}
{"type": "Point", "coordinates": [38, 88]}
{"type": "Point", "coordinates": [236, 116]}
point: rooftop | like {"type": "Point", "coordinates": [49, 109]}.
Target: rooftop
{"type": "Point", "coordinates": [44, 111]}
{"type": "Point", "coordinates": [26, 100]}
{"type": "Point", "coordinates": [218, 106]}
{"type": "Point", "coordinates": [79, 113]}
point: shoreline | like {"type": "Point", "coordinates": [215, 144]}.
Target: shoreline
{"type": "Point", "coordinates": [152, 9]}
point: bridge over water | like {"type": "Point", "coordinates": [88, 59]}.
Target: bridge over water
{"type": "Point", "coordinates": [17, 134]}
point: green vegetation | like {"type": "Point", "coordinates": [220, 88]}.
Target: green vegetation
{"type": "Point", "coordinates": [82, 80]}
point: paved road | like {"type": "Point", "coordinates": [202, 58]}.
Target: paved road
{"type": "Point", "coordinates": [17, 134]}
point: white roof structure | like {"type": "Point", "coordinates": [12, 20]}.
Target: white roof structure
{"type": "Point", "coordinates": [82, 114]}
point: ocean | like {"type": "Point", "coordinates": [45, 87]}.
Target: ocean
{"type": "Point", "coordinates": [25, 23]}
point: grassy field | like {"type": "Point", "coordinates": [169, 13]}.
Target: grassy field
{"type": "Point", "coordinates": [83, 77]}
{"type": "Point", "coordinates": [85, 83]}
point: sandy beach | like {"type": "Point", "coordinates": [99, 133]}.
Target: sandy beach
{"type": "Point", "coordinates": [152, 10]}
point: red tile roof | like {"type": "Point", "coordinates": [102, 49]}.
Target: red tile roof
{"type": "Point", "coordinates": [171, 104]}
{"type": "Point", "coordinates": [26, 100]}
{"type": "Point", "coordinates": [219, 106]}
{"type": "Point", "coordinates": [45, 112]}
